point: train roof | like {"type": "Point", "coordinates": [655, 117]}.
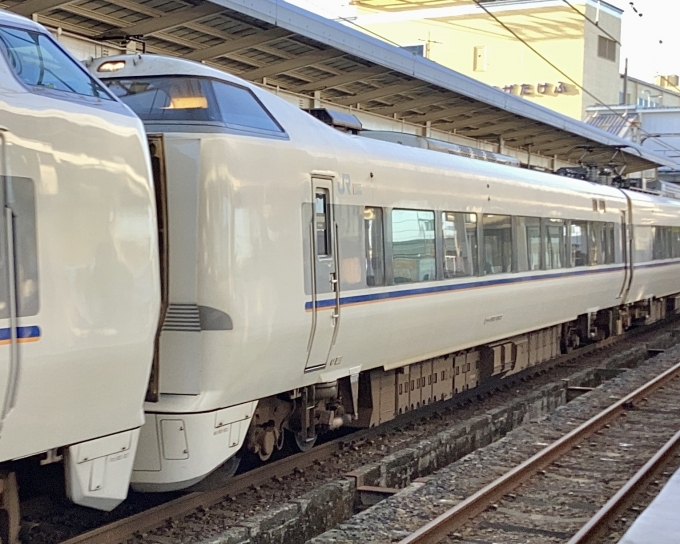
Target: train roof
{"type": "Point", "coordinates": [303, 53]}
{"type": "Point", "coordinates": [7, 17]}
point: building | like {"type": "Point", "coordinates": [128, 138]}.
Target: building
{"type": "Point", "coordinates": [576, 53]}
{"type": "Point", "coordinates": [654, 128]}
{"type": "Point", "coordinates": [665, 93]}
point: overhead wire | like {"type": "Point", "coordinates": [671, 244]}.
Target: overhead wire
{"type": "Point", "coordinates": [594, 23]}
{"type": "Point", "coordinates": [564, 74]}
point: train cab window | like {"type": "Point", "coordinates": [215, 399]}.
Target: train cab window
{"type": "Point", "coordinates": [460, 244]}
{"type": "Point", "coordinates": [322, 223]}
{"type": "Point", "coordinates": [375, 252]}
{"type": "Point", "coordinates": [193, 99]}
{"type": "Point", "coordinates": [166, 98]}
{"type": "Point", "coordinates": [413, 246]}
{"type": "Point", "coordinates": [240, 107]}
{"type": "Point", "coordinates": [497, 243]}
{"type": "Point", "coordinates": [579, 243]}
{"type": "Point", "coordinates": [40, 63]}
{"type": "Point", "coordinates": [555, 243]}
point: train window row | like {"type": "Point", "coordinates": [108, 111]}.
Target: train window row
{"type": "Point", "coordinates": [656, 243]}
{"type": "Point", "coordinates": [424, 245]}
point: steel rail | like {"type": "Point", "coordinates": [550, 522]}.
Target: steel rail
{"type": "Point", "coordinates": [474, 505]}
{"type": "Point", "coordinates": [598, 525]}
{"type": "Point", "coordinates": [123, 529]}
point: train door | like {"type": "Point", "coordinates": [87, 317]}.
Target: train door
{"type": "Point", "coordinates": [157, 153]}
{"type": "Point", "coordinates": [9, 354]}
{"type": "Point", "coordinates": [627, 249]}
{"type": "Point", "coordinates": [325, 284]}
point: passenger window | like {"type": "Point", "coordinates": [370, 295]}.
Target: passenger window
{"type": "Point", "coordinates": [533, 237]}
{"type": "Point", "coordinates": [662, 242]}
{"type": "Point", "coordinates": [595, 237]}
{"type": "Point", "coordinates": [460, 244]}
{"type": "Point", "coordinates": [39, 63]}
{"type": "Point", "coordinates": [643, 237]}
{"type": "Point", "coordinates": [608, 243]}
{"type": "Point", "coordinates": [579, 243]}
{"type": "Point", "coordinates": [675, 242]}
{"type": "Point", "coordinates": [497, 243]}
{"type": "Point", "coordinates": [240, 107]}
{"type": "Point", "coordinates": [322, 223]}
{"type": "Point", "coordinates": [26, 251]}
{"type": "Point", "coordinates": [373, 235]}
{"type": "Point", "coordinates": [555, 243]}
{"type": "Point", "coordinates": [413, 247]}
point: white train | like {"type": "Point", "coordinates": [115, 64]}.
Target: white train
{"type": "Point", "coordinates": [79, 266]}
{"type": "Point", "coordinates": [315, 277]}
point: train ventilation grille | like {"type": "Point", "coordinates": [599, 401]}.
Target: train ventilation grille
{"type": "Point", "coordinates": [182, 317]}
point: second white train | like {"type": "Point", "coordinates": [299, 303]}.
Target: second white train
{"type": "Point", "coordinates": [314, 277]}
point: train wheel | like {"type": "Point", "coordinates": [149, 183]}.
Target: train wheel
{"type": "Point", "coordinates": [299, 444]}
{"type": "Point", "coordinates": [219, 477]}
{"type": "Point", "coordinates": [9, 508]}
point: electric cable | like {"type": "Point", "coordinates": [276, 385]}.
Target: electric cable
{"type": "Point", "coordinates": [555, 67]}
{"type": "Point", "coordinates": [594, 23]}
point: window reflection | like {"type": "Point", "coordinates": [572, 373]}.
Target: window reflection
{"type": "Point", "coordinates": [413, 246]}
{"type": "Point", "coordinates": [37, 61]}
{"type": "Point", "coordinates": [460, 244]}
{"type": "Point", "coordinates": [497, 243]}
{"type": "Point", "coordinates": [373, 234]}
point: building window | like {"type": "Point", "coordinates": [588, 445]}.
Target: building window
{"type": "Point", "coordinates": [606, 48]}
{"type": "Point", "coordinates": [479, 59]}
{"type": "Point", "coordinates": [415, 49]}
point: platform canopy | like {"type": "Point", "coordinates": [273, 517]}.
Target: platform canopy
{"type": "Point", "coordinates": [286, 46]}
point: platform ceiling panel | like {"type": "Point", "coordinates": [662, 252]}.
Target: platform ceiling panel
{"type": "Point", "coordinates": [280, 44]}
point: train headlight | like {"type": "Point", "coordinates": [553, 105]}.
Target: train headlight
{"type": "Point", "coordinates": [111, 66]}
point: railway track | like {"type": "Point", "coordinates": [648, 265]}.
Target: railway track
{"type": "Point", "coordinates": [148, 520]}
{"type": "Point", "coordinates": [507, 506]}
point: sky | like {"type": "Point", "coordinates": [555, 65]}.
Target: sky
{"type": "Point", "coordinates": [651, 42]}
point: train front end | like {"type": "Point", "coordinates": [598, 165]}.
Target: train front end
{"type": "Point", "coordinates": [79, 289]}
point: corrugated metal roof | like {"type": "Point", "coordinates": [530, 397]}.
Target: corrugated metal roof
{"type": "Point", "coordinates": [618, 124]}
{"type": "Point", "coordinates": [304, 53]}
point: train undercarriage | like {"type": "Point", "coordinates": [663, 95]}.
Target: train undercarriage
{"type": "Point", "coordinates": [378, 396]}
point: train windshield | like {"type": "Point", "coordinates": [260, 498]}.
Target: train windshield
{"type": "Point", "coordinates": [39, 63]}
{"type": "Point", "coordinates": [190, 99]}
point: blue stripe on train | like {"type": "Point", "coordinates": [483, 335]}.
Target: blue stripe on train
{"type": "Point", "coordinates": [32, 331]}
{"type": "Point", "coordinates": [435, 289]}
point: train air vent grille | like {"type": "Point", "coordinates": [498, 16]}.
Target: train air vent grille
{"type": "Point", "coordinates": [182, 317]}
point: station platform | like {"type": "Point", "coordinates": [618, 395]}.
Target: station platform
{"type": "Point", "coordinates": [660, 521]}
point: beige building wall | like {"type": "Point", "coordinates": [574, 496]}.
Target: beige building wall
{"type": "Point", "coordinates": [463, 37]}
{"type": "Point", "coordinates": [600, 75]}
{"type": "Point", "coordinates": [641, 93]}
